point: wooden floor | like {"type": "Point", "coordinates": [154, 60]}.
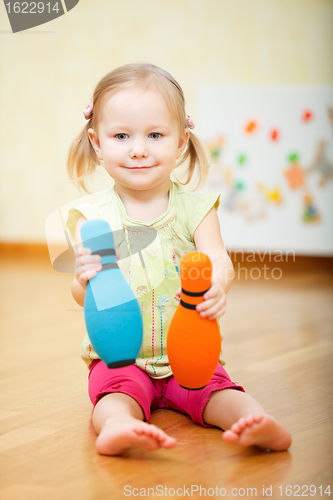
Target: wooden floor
{"type": "Point", "coordinates": [278, 345]}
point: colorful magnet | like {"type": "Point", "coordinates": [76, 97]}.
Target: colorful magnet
{"type": "Point", "coordinates": [251, 126]}
{"type": "Point", "coordinates": [330, 114]}
{"type": "Point", "coordinates": [241, 158]}
{"type": "Point", "coordinates": [273, 195]}
{"type": "Point", "coordinates": [310, 213]}
{"type": "Point", "coordinates": [322, 164]}
{"type": "Point", "coordinates": [295, 176]}
{"type": "Point", "coordinates": [307, 115]}
{"type": "Point", "coordinates": [292, 157]}
{"type": "Point", "coordinates": [231, 199]}
{"type": "Point", "coordinates": [215, 147]}
{"type": "Point", "coordinates": [239, 185]}
{"type": "Point", "coordinates": [274, 134]}
{"type": "Point", "coordinates": [254, 207]}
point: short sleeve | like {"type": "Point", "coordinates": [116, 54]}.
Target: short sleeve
{"type": "Point", "coordinates": [200, 206]}
{"type": "Point", "coordinates": [87, 210]}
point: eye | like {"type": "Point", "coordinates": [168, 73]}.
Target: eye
{"type": "Point", "coordinates": [155, 135]}
{"type": "Point", "coordinates": [121, 136]}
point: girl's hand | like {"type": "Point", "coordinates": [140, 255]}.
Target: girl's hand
{"type": "Point", "coordinates": [86, 265]}
{"type": "Point", "coordinates": [214, 304]}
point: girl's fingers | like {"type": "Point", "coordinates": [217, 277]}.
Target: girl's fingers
{"type": "Point", "coordinates": [83, 278]}
{"type": "Point", "coordinates": [86, 261]}
{"type": "Point", "coordinates": [214, 290]}
{"type": "Point", "coordinates": [83, 255]}
{"type": "Point", "coordinates": [207, 304]}
{"type": "Point", "coordinates": [212, 307]}
{"type": "Point", "coordinates": [211, 311]}
{"type": "Point", "coordinates": [87, 267]}
{"type": "Point", "coordinates": [80, 250]}
{"type": "Point", "coordinates": [218, 314]}
{"type": "Point", "coordinates": [204, 306]}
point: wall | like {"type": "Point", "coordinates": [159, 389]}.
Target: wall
{"type": "Point", "coordinates": [49, 72]}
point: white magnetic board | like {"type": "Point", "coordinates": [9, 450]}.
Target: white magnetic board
{"type": "Point", "coordinates": [272, 163]}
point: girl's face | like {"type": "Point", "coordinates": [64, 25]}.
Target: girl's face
{"type": "Point", "coordinates": [138, 140]}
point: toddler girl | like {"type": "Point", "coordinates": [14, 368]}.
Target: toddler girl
{"type": "Point", "coordinates": [137, 128]}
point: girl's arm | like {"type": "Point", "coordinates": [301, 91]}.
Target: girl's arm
{"type": "Point", "coordinates": [207, 239]}
{"type": "Point", "coordinates": [86, 265]}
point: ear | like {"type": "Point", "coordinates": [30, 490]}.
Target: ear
{"type": "Point", "coordinates": [95, 142]}
{"type": "Point", "coordinates": [183, 140]}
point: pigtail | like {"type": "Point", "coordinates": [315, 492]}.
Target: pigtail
{"type": "Point", "coordinates": [82, 158]}
{"type": "Point", "coordinates": [196, 158]}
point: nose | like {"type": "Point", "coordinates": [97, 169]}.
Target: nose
{"type": "Point", "coordinates": [139, 149]}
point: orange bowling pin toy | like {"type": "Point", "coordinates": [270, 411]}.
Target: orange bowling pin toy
{"type": "Point", "coordinates": [193, 342]}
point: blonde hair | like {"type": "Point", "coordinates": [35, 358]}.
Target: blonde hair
{"type": "Point", "coordinates": [82, 158]}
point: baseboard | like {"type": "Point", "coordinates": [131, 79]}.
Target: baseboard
{"type": "Point", "coordinates": [241, 260]}
{"type": "Point", "coordinates": [24, 248]}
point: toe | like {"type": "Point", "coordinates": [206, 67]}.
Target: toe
{"type": "Point", "coordinates": [258, 417]}
{"type": "Point", "coordinates": [169, 442]}
{"type": "Point", "coordinates": [151, 444]}
{"type": "Point", "coordinates": [151, 431]}
{"type": "Point", "coordinates": [249, 419]}
{"type": "Point", "coordinates": [241, 424]}
{"type": "Point", "coordinates": [236, 428]}
{"type": "Point", "coordinates": [230, 436]}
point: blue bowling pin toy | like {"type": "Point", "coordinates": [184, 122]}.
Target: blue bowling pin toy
{"type": "Point", "coordinates": [112, 312]}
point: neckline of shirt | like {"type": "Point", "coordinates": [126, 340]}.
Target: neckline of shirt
{"type": "Point", "coordinates": [159, 221]}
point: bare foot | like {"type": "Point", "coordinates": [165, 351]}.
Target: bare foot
{"type": "Point", "coordinates": [120, 434]}
{"type": "Point", "coordinates": [259, 429]}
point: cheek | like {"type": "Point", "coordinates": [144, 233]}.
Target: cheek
{"type": "Point", "coordinates": [169, 150]}
{"type": "Point", "coordinates": [113, 151]}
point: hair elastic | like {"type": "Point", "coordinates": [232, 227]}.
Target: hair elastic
{"type": "Point", "coordinates": [189, 122]}
{"type": "Point", "coordinates": [88, 112]}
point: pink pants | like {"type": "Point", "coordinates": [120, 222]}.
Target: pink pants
{"type": "Point", "coordinates": [152, 393]}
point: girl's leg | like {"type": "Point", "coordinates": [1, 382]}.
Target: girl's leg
{"type": "Point", "coordinates": [118, 419]}
{"type": "Point", "coordinates": [246, 420]}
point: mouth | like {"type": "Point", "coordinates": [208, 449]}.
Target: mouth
{"type": "Point", "coordinates": [139, 168]}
